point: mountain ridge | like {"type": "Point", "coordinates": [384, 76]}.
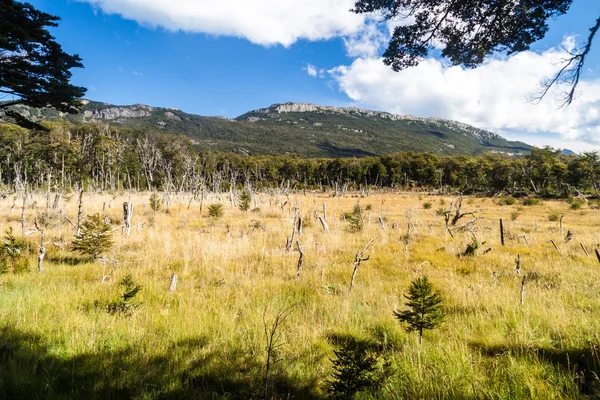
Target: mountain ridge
{"type": "Point", "coordinates": [304, 129]}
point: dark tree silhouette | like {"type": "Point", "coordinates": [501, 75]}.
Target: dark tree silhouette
{"type": "Point", "coordinates": [34, 70]}
{"type": "Point", "coordinates": [470, 30]}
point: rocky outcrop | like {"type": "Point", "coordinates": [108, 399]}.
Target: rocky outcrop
{"type": "Point", "coordinates": [112, 113]}
{"type": "Point", "coordinates": [479, 134]}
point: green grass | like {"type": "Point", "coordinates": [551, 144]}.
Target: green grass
{"type": "Point", "coordinates": [206, 340]}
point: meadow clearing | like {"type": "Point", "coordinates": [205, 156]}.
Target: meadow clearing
{"type": "Point", "coordinates": [207, 338]}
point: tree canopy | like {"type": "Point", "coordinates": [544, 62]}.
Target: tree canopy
{"type": "Point", "coordinates": [470, 30]}
{"type": "Point", "coordinates": [34, 70]}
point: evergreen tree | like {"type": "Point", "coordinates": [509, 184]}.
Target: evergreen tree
{"type": "Point", "coordinates": [354, 370]}
{"type": "Point", "coordinates": [94, 237]}
{"type": "Point", "coordinates": [34, 70]}
{"type": "Point", "coordinates": [244, 200]}
{"type": "Point", "coordinates": [425, 307]}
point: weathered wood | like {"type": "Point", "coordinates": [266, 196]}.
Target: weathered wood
{"type": "Point", "coordinates": [597, 255]}
{"type": "Point", "coordinates": [324, 224]}
{"type": "Point", "coordinates": [585, 250]}
{"type": "Point", "coordinates": [526, 240]}
{"type": "Point", "coordinates": [523, 289]}
{"type": "Point", "coordinates": [358, 259]}
{"type": "Point", "coordinates": [42, 247]}
{"type": "Point", "coordinates": [561, 225]}
{"type": "Point", "coordinates": [23, 213]}
{"type": "Point", "coordinates": [501, 231]}
{"type": "Point", "coordinates": [555, 246]}
{"type": "Point", "coordinates": [382, 223]}
{"type": "Point", "coordinates": [518, 264]}
{"type": "Point", "coordinates": [173, 285]}
{"type": "Point", "coordinates": [127, 214]}
{"type": "Point", "coordinates": [300, 259]}
{"type": "Point", "coordinates": [79, 211]}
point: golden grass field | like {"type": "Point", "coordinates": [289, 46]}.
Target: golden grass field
{"type": "Point", "coordinates": [207, 339]}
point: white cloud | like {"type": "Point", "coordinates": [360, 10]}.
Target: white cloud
{"type": "Point", "coordinates": [493, 96]}
{"type": "Point", "coordinates": [311, 70]}
{"type": "Point", "coordinates": [366, 43]}
{"type": "Point", "coordinates": [264, 22]}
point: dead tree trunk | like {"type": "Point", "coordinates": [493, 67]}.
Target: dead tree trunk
{"type": "Point", "coordinates": [523, 289]}
{"type": "Point", "coordinates": [42, 247]}
{"type": "Point", "coordinates": [23, 213]}
{"type": "Point", "coordinates": [324, 224]}
{"type": "Point", "coordinates": [127, 214]}
{"type": "Point", "coordinates": [358, 259]}
{"type": "Point", "coordinates": [585, 250]}
{"type": "Point", "coordinates": [79, 211]}
{"type": "Point", "coordinates": [173, 285]}
{"type": "Point", "coordinates": [501, 231]}
{"type": "Point", "coordinates": [300, 259]}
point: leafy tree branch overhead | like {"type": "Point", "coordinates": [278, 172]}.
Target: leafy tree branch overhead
{"type": "Point", "coordinates": [468, 31]}
{"type": "Point", "coordinates": [34, 70]}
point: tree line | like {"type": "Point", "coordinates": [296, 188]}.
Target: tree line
{"type": "Point", "coordinates": [103, 157]}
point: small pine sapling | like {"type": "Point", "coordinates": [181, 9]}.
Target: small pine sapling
{"type": "Point", "coordinates": [355, 218]}
{"type": "Point", "coordinates": [215, 210]}
{"type": "Point", "coordinates": [155, 202]}
{"type": "Point", "coordinates": [244, 200]}
{"type": "Point", "coordinates": [425, 307]}
{"type": "Point", "coordinates": [94, 237]}
{"type": "Point", "coordinates": [355, 368]}
{"type": "Point", "coordinates": [125, 305]}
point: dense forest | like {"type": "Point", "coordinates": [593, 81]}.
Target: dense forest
{"type": "Point", "coordinates": [101, 157]}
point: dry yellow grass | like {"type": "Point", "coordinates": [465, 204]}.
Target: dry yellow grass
{"type": "Point", "coordinates": [206, 340]}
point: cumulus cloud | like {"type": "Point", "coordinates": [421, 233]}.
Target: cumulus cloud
{"type": "Point", "coordinates": [264, 22]}
{"type": "Point", "coordinates": [493, 96]}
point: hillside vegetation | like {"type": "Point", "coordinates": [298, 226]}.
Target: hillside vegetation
{"type": "Point", "coordinates": [301, 129]}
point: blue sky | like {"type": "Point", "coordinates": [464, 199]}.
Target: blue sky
{"type": "Point", "coordinates": [225, 58]}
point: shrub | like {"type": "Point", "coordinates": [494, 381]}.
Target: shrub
{"type": "Point", "coordinates": [94, 237]}
{"type": "Point", "coordinates": [368, 207]}
{"type": "Point", "coordinates": [427, 205]}
{"type": "Point", "coordinates": [553, 217]}
{"type": "Point", "coordinates": [244, 200]}
{"type": "Point", "coordinates": [576, 204]}
{"type": "Point", "coordinates": [514, 215]}
{"type": "Point", "coordinates": [531, 201]}
{"type": "Point", "coordinates": [507, 201]}
{"type": "Point", "coordinates": [215, 210]}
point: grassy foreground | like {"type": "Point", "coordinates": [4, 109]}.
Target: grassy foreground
{"type": "Point", "coordinates": [207, 339]}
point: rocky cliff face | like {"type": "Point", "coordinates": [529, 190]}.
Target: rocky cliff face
{"type": "Point", "coordinates": [112, 113]}
{"type": "Point", "coordinates": [455, 126]}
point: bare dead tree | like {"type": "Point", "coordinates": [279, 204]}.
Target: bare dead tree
{"type": "Point", "coordinates": [274, 343]}
{"type": "Point", "coordinates": [518, 264]}
{"type": "Point", "coordinates": [358, 258]}
{"type": "Point", "coordinates": [300, 259]}
{"type": "Point", "coordinates": [42, 246]}
{"type": "Point", "coordinates": [79, 212]}
{"type": "Point", "coordinates": [23, 213]}
{"type": "Point", "coordinates": [523, 289]}
{"type": "Point", "coordinates": [127, 214]}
